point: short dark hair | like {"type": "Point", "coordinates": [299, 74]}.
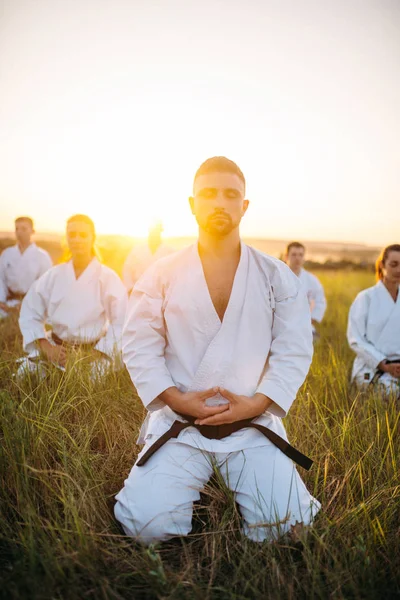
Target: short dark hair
{"type": "Point", "coordinates": [219, 164]}
{"type": "Point", "coordinates": [24, 220]}
{"type": "Point", "coordinates": [294, 245]}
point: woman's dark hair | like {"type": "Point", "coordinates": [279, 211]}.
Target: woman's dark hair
{"type": "Point", "coordinates": [382, 258]}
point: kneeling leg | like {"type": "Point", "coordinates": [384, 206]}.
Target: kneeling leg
{"type": "Point", "coordinates": [269, 491]}
{"type": "Point", "coordinates": [156, 502]}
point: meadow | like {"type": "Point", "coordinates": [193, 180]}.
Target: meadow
{"type": "Point", "coordinates": [66, 445]}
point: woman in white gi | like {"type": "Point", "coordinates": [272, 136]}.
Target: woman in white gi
{"type": "Point", "coordinates": [82, 300]}
{"type": "Point", "coordinates": [217, 341]}
{"type": "Point", "coordinates": [374, 326]}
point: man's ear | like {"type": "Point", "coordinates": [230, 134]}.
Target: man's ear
{"type": "Point", "coordinates": [245, 206]}
{"type": "Point", "coordinates": [191, 203]}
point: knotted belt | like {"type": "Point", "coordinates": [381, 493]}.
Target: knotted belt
{"type": "Point", "coordinates": [15, 295]}
{"type": "Point", "coordinates": [76, 345]}
{"type": "Point", "coordinates": [218, 432]}
{"type": "Point", "coordinates": [378, 373]}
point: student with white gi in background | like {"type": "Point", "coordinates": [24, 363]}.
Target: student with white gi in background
{"type": "Point", "coordinates": [82, 300]}
{"type": "Point", "coordinates": [217, 341]}
{"type": "Point", "coordinates": [295, 257]}
{"type": "Point", "coordinates": [143, 255]}
{"type": "Point", "coordinates": [20, 266]}
{"type": "Point", "coordinates": [373, 328]}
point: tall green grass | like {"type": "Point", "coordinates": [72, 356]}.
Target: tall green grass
{"type": "Point", "coordinates": [66, 445]}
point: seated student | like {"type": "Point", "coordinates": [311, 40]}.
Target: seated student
{"type": "Point", "coordinates": [83, 301]}
{"type": "Point", "coordinates": [374, 326]}
{"type": "Point", "coordinates": [142, 256]}
{"type": "Point", "coordinates": [294, 257]}
{"type": "Point", "coordinates": [20, 266]}
{"type": "Point", "coordinates": [217, 341]}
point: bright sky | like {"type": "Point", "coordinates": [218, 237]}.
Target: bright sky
{"type": "Point", "coordinates": [108, 108]}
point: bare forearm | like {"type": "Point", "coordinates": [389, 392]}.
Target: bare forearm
{"type": "Point", "coordinates": [263, 402]}
{"type": "Point", "coordinates": [44, 344]}
{"type": "Point", "coordinates": [171, 397]}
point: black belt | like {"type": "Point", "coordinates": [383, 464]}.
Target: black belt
{"type": "Point", "coordinates": [217, 432]}
{"type": "Point", "coordinates": [15, 295]}
{"type": "Point", "coordinates": [378, 373]}
{"type": "Point", "coordinates": [83, 346]}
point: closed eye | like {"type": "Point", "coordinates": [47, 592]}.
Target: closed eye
{"type": "Point", "coordinates": [232, 193]}
{"type": "Point", "coordinates": [207, 193]}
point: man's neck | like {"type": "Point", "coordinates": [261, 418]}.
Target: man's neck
{"type": "Point", "coordinates": [296, 270]}
{"type": "Point", "coordinates": [224, 247]}
{"type": "Point", "coordinates": [22, 247]}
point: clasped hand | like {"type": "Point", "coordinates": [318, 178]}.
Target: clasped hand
{"type": "Point", "coordinates": [393, 369]}
{"type": "Point", "coordinates": [237, 408]}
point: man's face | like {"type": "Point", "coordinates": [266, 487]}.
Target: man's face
{"type": "Point", "coordinates": [218, 203]}
{"type": "Point", "coordinates": [23, 232]}
{"type": "Point", "coordinates": [295, 258]}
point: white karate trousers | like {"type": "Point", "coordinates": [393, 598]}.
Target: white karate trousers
{"type": "Point", "coordinates": [385, 384]}
{"type": "Point", "coordinates": [156, 502]}
{"type": "Point", "coordinates": [97, 369]}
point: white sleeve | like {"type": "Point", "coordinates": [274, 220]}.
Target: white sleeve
{"type": "Point", "coordinates": [144, 339]}
{"type": "Point", "coordinates": [3, 284]}
{"type": "Point", "coordinates": [115, 300]}
{"type": "Point", "coordinates": [292, 347]}
{"type": "Point", "coordinates": [357, 332]}
{"type": "Point", "coordinates": [127, 271]}
{"type": "Point", "coordinates": [319, 305]}
{"type": "Point", "coordinates": [33, 313]}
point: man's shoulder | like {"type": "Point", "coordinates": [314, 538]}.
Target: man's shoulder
{"type": "Point", "coordinates": [274, 267]}
{"type": "Point", "coordinates": [283, 280]}
{"type": "Point", "coordinates": [310, 277]}
{"type": "Point", "coordinates": [165, 270]}
{"type": "Point", "coordinates": [9, 251]}
{"type": "Point", "coordinates": [173, 260]}
{"type": "Point", "coordinates": [42, 252]}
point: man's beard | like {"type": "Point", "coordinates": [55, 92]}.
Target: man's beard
{"type": "Point", "coordinates": [218, 225]}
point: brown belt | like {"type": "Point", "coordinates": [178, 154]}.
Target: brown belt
{"type": "Point", "coordinates": [378, 373]}
{"type": "Point", "coordinates": [217, 432]}
{"type": "Point", "coordinates": [15, 295]}
{"type": "Point", "coordinates": [75, 345]}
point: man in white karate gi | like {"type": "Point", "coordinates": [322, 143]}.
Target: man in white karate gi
{"type": "Point", "coordinates": [295, 258]}
{"type": "Point", "coordinates": [217, 341]}
{"type": "Point", "coordinates": [20, 266]}
{"type": "Point", "coordinates": [143, 255]}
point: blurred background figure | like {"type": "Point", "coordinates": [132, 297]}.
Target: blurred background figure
{"type": "Point", "coordinates": [82, 300]}
{"type": "Point", "coordinates": [295, 257]}
{"type": "Point", "coordinates": [20, 266]}
{"type": "Point", "coordinates": [142, 256]}
{"type": "Point", "coordinates": [373, 328]}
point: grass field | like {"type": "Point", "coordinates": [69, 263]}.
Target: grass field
{"type": "Point", "coordinates": [67, 444]}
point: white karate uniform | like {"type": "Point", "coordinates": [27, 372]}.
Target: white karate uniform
{"type": "Point", "coordinates": [373, 333]}
{"type": "Point", "coordinates": [18, 270]}
{"type": "Point", "coordinates": [79, 311]}
{"type": "Point", "coordinates": [139, 259]}
{"type": "Point", "coordinates": [315, 294]}
{"type": "Point", "coordinates": [174, 337]}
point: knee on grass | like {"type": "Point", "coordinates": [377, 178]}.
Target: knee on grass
{"type": "Point", "coordinates": [150, 527]}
